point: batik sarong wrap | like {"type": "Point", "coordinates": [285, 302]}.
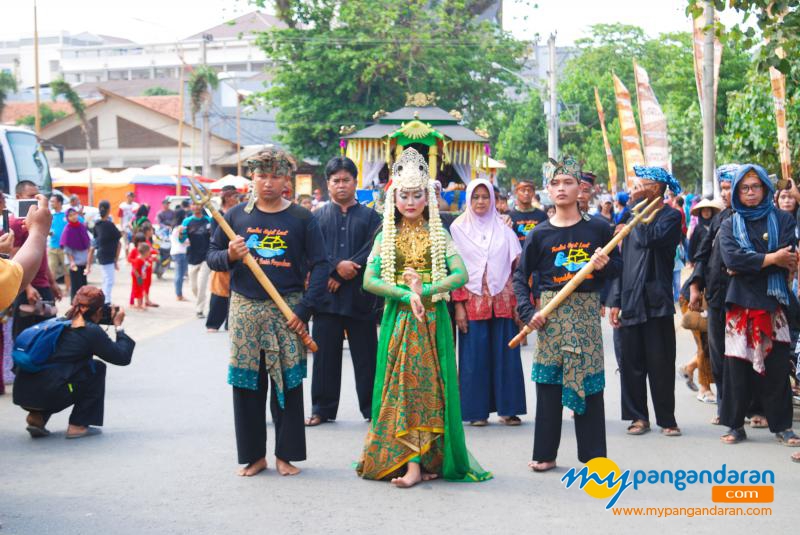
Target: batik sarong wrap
{"type": "Point", "coordinates": [750, 334]}
{"type": "Point", "coordinates": [570, 349]}
{"type": "Point", "coordinates": [257, 326]}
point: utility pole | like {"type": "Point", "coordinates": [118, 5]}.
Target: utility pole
{"type": "Point", "coordinates": [206, 105]}
{"type": "Point", "coordinates": [238, 134]}
{"type": "Point", "coordinates": [552, 116]}
{"type": "Point", "coordinates": [179, 177]}
{"type": "Point", "coordinates": [37, 121]}
{"type": "Point", "coordinates": [709, 102]}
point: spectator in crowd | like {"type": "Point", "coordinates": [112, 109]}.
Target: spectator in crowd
{"type": "Point", "coordinates": [78, 251]}
{"type": "Point", "coordinates": [197, 229]}
{"type": "Point", "coordinates": [75, 204]}
{"type": "Point", "coordinates": [55, 254]}
{"type": "Point", "coordinates": [166, 217]}
{"type": "Point", "coordinates": [43, 288]}
{"type": "Point", "coordinates": [127, 210]}
{"type": "Point", "coordinates": [177, 251]}
{"type": "Point", "coordinates": [305, 202]}
{"type": "Point", "coordinates": [108, 245]}
{"type": "Point", "coordinates": [73, 378]}
{"type": "Point", "coordinates": [220, 280]}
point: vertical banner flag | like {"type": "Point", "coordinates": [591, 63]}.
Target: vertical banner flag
{"type": "Point", "coordinates": [652, 120]}
{"type": "Point", "coordinates": [698, 36]}
{"type": "Point", "coordinates": [629, 134]}
{"type": "Point", "coordinates": [778, 80]}
{"type": "Point", "coordinates": [612, 165]}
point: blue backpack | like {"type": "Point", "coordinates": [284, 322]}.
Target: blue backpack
{"type": "Point", "coordinates": [34, 346]}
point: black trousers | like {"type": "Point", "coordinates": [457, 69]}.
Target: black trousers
{"type": "Point", "coordinates": [249, 417]}
{"type": "Point", "coordinates": [590, 427]}
{"type": "Point", "coordinates": [217, 312]}
{"type": "Point", "coordinates": [648, 355]}
{"type": "Point", "coordinates": [716, 351]}
{"type": "Point", "coordinates": [326, 377]}
{"type": "Point", "coordinates": [77, 280]}
{"type": "Point", "coordinates": [85, 392]}
{"type": "Point", "coordinates": [23, 322]}
{"type": "Point", "coordinates": [771, 391]}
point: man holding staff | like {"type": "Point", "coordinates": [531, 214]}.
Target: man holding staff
{"type": "Point", "coordinates": [642, 308]}
{"type": "Point", "coordinates": [287, 244]}
{"type": "Point", "coordinates": [568, 364]}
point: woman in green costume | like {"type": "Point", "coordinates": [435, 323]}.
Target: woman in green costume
{"type": "Point", "coordinates": [416, 432]}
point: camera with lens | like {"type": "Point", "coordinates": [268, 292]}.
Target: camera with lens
{"type": "Point", "coordinates": [109, 311]}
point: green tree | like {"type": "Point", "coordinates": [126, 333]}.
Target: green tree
{"type": "Point", "coordinates": [7, 84]}
{"type": "Point", "coordinates": [158, 91]}
{"type": "Point", "coordinates": [777, 25]}
{"type": "Point", "coordinates": [46, 116]}
{"type": "Point", "coordinates": [338, 62]}
{"type": "Point", "coordinates": [522, 145]}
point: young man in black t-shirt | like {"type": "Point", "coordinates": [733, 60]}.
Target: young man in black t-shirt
{"type": "Point", "coordinates": [266, 351]}
{"type": "Point", "coordinates": [525, 216]}
{"type": "Point", "coordinates": [566, 375]}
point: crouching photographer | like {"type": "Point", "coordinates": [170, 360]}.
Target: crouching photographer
{"type": "Point", "coordinates": [56, 369]}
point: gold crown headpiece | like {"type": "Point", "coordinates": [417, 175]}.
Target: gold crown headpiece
{"type": "Point", "coordinates": [410, 171]}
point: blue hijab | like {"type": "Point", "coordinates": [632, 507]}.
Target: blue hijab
{"type": "Point", "coordinates": [776, 282]}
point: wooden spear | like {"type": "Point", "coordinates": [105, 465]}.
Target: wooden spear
{"type": "Point", "coordinates": [201, 196]}
{"type": "Point", "coordinates": [644, 212]}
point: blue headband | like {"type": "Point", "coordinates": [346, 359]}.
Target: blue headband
{"type": "Point", "coordinates": [727, 172]}
{"type": "Point", "coordinates": [659, 174]}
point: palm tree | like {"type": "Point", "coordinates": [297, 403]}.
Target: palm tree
{"type": "Point", "coordinates": [7, 84]}
{"type": "Point", "coordinates": [202, 81]}
{"type": "Point", "coordinates": [61, 88]}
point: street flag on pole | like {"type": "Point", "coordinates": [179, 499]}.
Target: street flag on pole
{"type": "Point", "coordinates": [612, 165]}
{"type": "Point", "coordinates": [629, 134]}
{"type": "Point", "coordinates": [697, 45]}
{"type": "Point", "coordinates": [653, 122]}
{"type": "Point", "coordinates": [778, 80]}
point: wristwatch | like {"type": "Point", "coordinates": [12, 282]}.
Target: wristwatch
{"type": "Point", "coordinates": [119, 329]}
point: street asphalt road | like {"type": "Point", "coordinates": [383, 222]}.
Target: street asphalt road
{"type": "Point", "coordinates": [166, 461]}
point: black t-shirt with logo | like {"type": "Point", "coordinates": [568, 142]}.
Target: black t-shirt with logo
{"type": "Point", "coordinates": [525, 222]}
{"type": "Point", "coordinates": [556, 254]}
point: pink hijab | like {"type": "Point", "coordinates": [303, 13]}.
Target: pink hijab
{"type": "Point", "coordinates": [485, 244]}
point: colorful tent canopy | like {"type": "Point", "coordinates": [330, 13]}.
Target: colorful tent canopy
{"type": "Point", "coordinates": [239, 182]}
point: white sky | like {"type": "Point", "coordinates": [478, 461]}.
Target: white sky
{"type": "Point", "coordinates": [168, 20]}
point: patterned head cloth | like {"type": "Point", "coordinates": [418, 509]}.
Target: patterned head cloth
{"type": "Point", "coordinates": [272, 161]}
{"type": "Point", "coordinates": [588, 177]}
{"type": "Point", "coordinates": [658, 174]}
{"type": "Point", "coordinates": [567, 166]}
{"type": "Point", "coordinates": [726, 173]}
{"type": "Point", "coordinates": [87, 301]}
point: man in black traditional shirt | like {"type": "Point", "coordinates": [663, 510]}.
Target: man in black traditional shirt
{"type": "Point", "coordinates": [349, 229]}
{"type": "Point", "coordinates": [525, 216]}
{"type": "Point", "coordinates": [642, 309]}
{"type": "Point", "coordinates": [285, 240]}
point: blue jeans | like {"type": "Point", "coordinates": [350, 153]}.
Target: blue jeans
{"type": "Point", "coordinates": [676, 284]}
{"type": "Point", "coordinates": [181, 268]}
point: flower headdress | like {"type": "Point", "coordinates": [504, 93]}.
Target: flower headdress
{"type": "Point", "coordinates": [410, 173]}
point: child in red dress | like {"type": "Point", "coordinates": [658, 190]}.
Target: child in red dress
{"type": "Point", "coordinates": [139, 259]}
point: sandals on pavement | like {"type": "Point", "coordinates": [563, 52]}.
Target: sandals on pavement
{"type": "Point", "coordinates": [690, 384]}
{"type": "Point", "coordinates": [795, 457]}
{"type": "Point", "coordinates": [759, 422]}
{"type": "Point", "coordinates": [788, 438]}
{"type": "Point", "coordinates": [715, 421]}
{"type": "Point", "coordinates": [90, 432]}
{"type": "Point", "coordinates": [707, 397]}
{"type": "Point", "coordinates": [511, 420]}
{"type": "Point", "coordinates": [315, 420]}
{"type": "Point", "coordinates": [479, 423]}
{"type": "Point", "coordinates": [736, 436]}
{"type": "Point", "coordinates": [671, 431]}
{"type": "Point", "coordinates": [639, 427]}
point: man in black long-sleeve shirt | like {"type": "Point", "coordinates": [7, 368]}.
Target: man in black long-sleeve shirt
{"type": "Point", "coordinates": [349, 229]}
{"type": "Point", "coordinates": [642, 309]}
{"type": "Point", "coordinates": [286, 241]}
{"type": "Point", "coordinates": [72, 377]}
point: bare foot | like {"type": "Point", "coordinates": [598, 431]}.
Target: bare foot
{"type": "Point", "coordinates": [428, 476]}
{"type": "Point", "coordinates": [253, 468]}
{"type": "Point", "coordinates": [541, 466]}
{"type": "Point", "coordinates": [412, 477]}
{"type": "Point", "coordinates": [286, 468]}
{"type": "Point", "coordinates": [76, 430]}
